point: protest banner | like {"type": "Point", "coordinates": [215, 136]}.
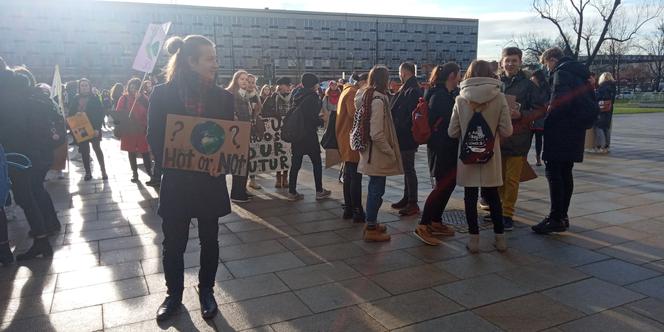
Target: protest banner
{"type": "Point", "coordinates": [153, 42]}
{"type": "Point", "coordinates": [206, 145]}
{"type": "Point", "coordinates": [268, 153]}
{"type": "Point", "coordinates": [81, 127]}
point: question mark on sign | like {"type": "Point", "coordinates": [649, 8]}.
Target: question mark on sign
{"type": "Point", "coordinates": [179, 125]}
{"type": "Point", "coordinates": [235, 130]}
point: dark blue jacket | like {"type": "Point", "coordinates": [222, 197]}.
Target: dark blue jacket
{"type": "Point", "coordinates": [402, 107]}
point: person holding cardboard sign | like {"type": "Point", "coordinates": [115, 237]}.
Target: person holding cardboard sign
{"type": "Point", "coordinates": [131, 124]}
{"type": "Point", "coordinates": [86, 102]}
{"type": "Point", "coordinates": [189, 90]}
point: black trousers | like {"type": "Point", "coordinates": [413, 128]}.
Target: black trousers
{"type": "Point", "coordinates": [32, 197]}
{"type": "Point", "coordinates": [296, 164]}
{"type": "Point", "coordinates": [496, 208]}
{"type": "Point", "coordinates": [84, 149]}
{"type": "Point", "coordinates": [147, 162]}
{"type": "Point", "coordinates": [176, 235]}
{"type": "Point", "coordinates": [352, 187]}
{"type": "Point", "coordinates": [438, 198]}
{"type": "Point", "coordinates": [561, 187]}
{"type": "Point", "coordinates": [4, 237]}
{"type": "Point", "coordinates": [539, 137]}
{"type": "Point", "coordinates": [239, 187]}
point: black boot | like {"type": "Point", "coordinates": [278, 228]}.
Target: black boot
{"type": "Point", "coordinates": [134, 177]}
{"type": "Point", "coordinates": [549, 225]}
{"type": "Point", "coordinates": [348, 213]}
{"type": "Point", "coordinates": [400, 204]}
{"type": "Point", "coordinates": [358, 216]}
{"type": "Point", "coordinates": [40, 247]}
{"type": "Point", "coordinates": [168, 308]}
{"type": "Point", "coordinates": [6, 255]}
{"type": "Point", "coordinates": [208, 303]}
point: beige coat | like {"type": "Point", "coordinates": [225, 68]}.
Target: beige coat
{"type": "Point", "coordinates": [486, 91]}
{"type": "Point", "coordinates": [383, 157]}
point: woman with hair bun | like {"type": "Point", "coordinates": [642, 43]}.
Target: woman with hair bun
{"type": "Point", "coordinates": [189, 90]}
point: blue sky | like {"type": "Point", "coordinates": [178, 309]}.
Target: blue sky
{"type": "Point", "coordinates": [499, 20]}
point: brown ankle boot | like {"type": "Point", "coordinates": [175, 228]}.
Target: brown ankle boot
{"type": "Point", "coordinates": [284, 179]}
{"type": "Point", "coordinates": [279, 180]}
{"type": "Point", "coordinates": [375, 235]}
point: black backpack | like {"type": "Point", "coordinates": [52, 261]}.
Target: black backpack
{"type": "Point", "coordinates": [478, 142]}
{"type": "Point", "coordinates": [291, 130]}
{"type": "Point", "coordinates": [587, 106]}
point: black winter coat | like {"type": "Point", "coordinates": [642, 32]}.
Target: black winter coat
{"type": "Point", "coordinates": [187, 194]}
{"type": "Point", "coordinates": [532, 108]}
{"type": "Point", "coordinates": [564, 136]}
{"type": "Point", "coordinates": [309, 103]}
{"type": "Point", "coordinates": [606, 92]}
{"type": "Point", "coordinates": [402, 106]}
{"type": "Point", "coordinates": [441, 149]}
{"type": "Point", "coordinates": [94, 110]}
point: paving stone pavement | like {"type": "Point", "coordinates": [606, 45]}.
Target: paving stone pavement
{"type": "Point", "coordinates": [299, 267]}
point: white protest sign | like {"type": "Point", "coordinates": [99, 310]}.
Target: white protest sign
{"type": "Point", "coordinates": [268, 153]}
{"type": "Point", "coordinates": [153, 42]}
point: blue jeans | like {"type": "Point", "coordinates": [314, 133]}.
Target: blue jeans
{"type": "Point", "coordinates": [375, 198]}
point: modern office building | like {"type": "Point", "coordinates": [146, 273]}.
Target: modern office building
{"type": "Point", "coordinates": [99, 39]}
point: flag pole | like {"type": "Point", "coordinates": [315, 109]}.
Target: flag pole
{"type": "Point", "coordinates": [131, 110]}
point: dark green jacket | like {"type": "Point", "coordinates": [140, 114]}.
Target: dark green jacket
{"type": "Point", "coordinates": [532, 108]}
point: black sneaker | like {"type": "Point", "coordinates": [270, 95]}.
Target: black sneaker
{"type": "Point", "coordinates": [549, 225]}
{"type": "Point", "coordinates": [508, 223]}
{"type": "Point", "coordinates": [348, 213]}
{"type": "Point", "coordinates": [566, 221]}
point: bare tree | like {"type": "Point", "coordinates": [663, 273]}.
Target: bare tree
{"type": "Point", "coordinates": [653, 46]}
{"type": "Point", "coordinates": [587, 23]}
{"type": "Point", "coordinates": [533, 45]}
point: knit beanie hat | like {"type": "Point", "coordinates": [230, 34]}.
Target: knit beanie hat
{"type": "Point", "coordinates": [284, 81]}
{"type": "Point", "coordinates": [309, 80]}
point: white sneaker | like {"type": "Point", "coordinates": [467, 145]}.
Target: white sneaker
{"type": "Point", "coordinates": [501, 243]}
{"type": "Point", "coordinates": [294, 197]}
{"type": "Point", "coordinates": [473, 244]}
{"type": "Point", "coordinates": [323, 194]}
{"type": "Point", "coordinates": [483, 204]}
{"type": "Point", "coordinates": [254, 185]}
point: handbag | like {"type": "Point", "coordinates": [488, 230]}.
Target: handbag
{"type": "Point", "coordinates": [329, 139]}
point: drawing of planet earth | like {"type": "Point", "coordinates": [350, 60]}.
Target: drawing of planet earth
{"type": "Point", "coordinates": [207, 137]}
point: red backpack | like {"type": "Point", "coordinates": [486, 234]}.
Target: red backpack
{"type": "Point", "coordinates": [420, 116]}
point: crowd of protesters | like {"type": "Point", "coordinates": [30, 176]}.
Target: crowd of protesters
{"type": "Point", "coordinates": [481, 124]}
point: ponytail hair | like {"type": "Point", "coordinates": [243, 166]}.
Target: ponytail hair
{"type": "Point", "coordinates": [181, 49]}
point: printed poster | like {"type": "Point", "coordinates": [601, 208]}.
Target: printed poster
{"type": "Point", "coordinates": [269, 154]}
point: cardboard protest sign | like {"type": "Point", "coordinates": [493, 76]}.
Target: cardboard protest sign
{"type": "Point", "coordinates": [268, 153]}
{"type": "Point", "coordinates": [153, 42]}
{"type": "Point", "coordinates": [206, 145]}
{"type": "Point", "coordinates": [80, 127]}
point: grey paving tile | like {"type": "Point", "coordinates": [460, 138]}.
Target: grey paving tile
{"type": "Point", "coordinates": [618, 272]}
{"type": "Point", "coordinates": [652, 287]}
{"type": "Point", "coordinates": [398, 241]}
{"type": "Point", "coordinates": [247, 288]}
{"type": "Point", "coordinates": [100, 234]}
{"type": "Point", "coordinates": [592, 295]}
{"type": "Point", "coordinates": [613, 320]}
{"type": "Point", "coordinates": [370, 264]}
{"type": "Point", "coordinates": [447, 250]}
{"type": "Point", "coordinates": [26, 307]}
{"type": "Point", "coordinates": [258, 312]}
{"type": "Point", "coordinates": [314, 275]}
{"type": "Point", "coordinates": [267, 234]}
{"type": "Point", "coordinates": [142, 308]}
{"type": "Point", "coordinates": [130, 254]}
{"type": "Point", "coordinates": [340, 294]}
{"type": "Point", "coordinates": [249, 250]}
{"type": "Point", "coordinates": [185, 321]}
{"type": "Point", "coordinates": [98, 275]}
{"type": "Point", "coordinates": [350, 319]}
{"type": "Point", "coordinates": [475, 265]}
{"type": "Point", "coordinates": [307, 241]}
{"type": "Point", "coordinates": [98, 294]}
{"type": "Point", "coordinates": [638, 252]}
{"type": "Point", "coordinates": [532, 312]}
{"type": "Point", "coordinates": [542, 275]}
{"type": "Point", "coordinates": [650, 307]}
{"type": "Point", "coordinates": [482, 290]}
{"type": "Point", "coordinates": [263, 264]}
{"type": "Point", "coordinates": [24, 287]}
{"type": "Point", "coordinates": [409, 308]}
{"type": "Point", "coordinates": [329, 252]}
{"type": "Point", "coordinates": [462, 321]}
{"type": "Point", "coordinates": [83, 320]}
{"type": "Point", "coordinates": [412, 278]}
{"type": "Point", "coordinates": [571, 256]}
